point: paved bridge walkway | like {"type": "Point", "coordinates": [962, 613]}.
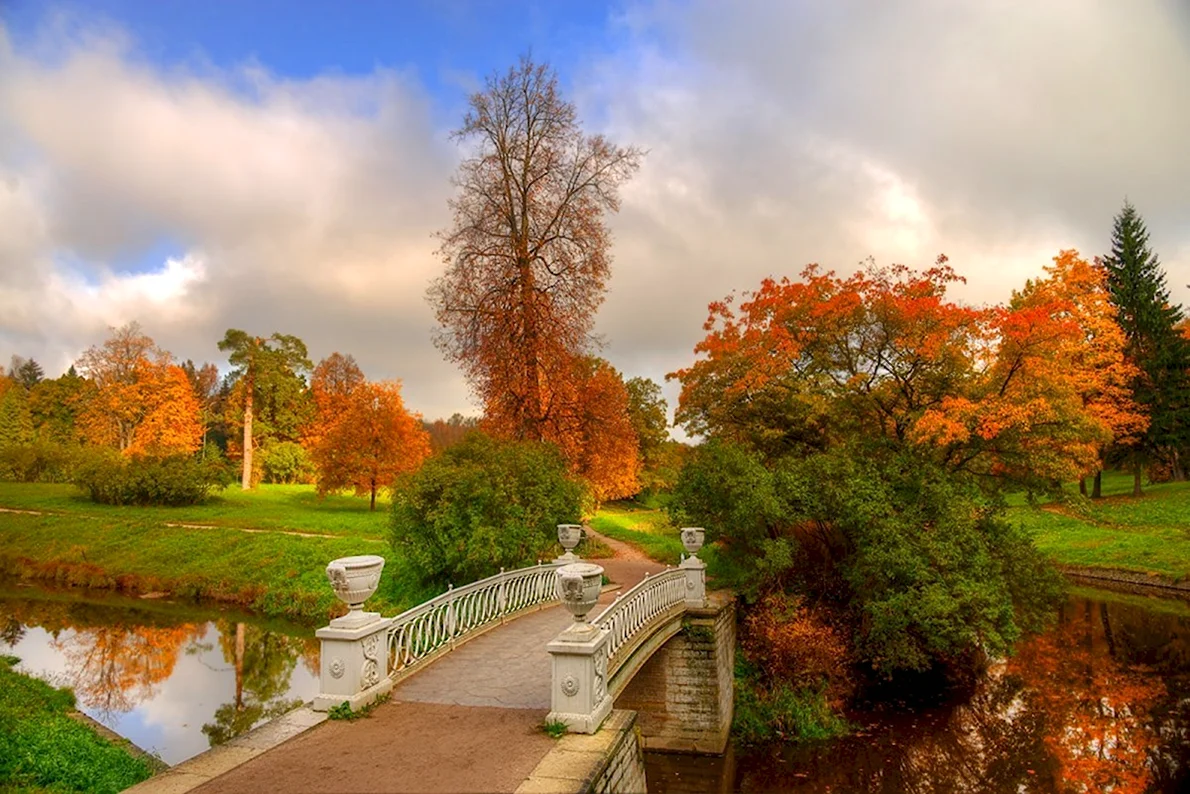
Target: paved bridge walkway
{"type": "Point", "coordinates": [468, 722]}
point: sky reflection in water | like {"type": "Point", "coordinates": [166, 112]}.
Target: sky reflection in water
{"type": "Point", "coordinates": [172, 680]}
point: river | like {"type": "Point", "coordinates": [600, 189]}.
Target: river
{"type": "Point", "coordinates": [1100, 702]}
{"type": "Point", "coordinates": [174, 678]}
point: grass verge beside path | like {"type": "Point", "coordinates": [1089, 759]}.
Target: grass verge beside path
{"type": "Point", "coordinates": [1146, 535]}
{"type": "Point", "coordinates": [650, 530]}
{"type": "Point", "coordinates": [270, 573]}
{"type": "Point", "coordinates": [43, 748]}
{"type": "Point", "coordinates": [287, 507]}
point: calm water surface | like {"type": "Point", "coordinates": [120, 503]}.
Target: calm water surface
{"type": "Point", "coordinates": [173, 678]}
{"type": "Point", "coordinates": [1101, 702]}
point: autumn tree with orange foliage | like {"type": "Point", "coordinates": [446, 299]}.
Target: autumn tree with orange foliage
{"type": "Point", "coordinates": [527, 257]}
{"type": "Point", "coordinates": [1025, 392]}
{"type": "Point", "coordinates": [141, 401]}
{"type": "Point", "coordinates": [595, 431]}
{"type": "Point", "coordinates": [374, 440]}
{"type": "Point", "coordinates": [1096, 361]}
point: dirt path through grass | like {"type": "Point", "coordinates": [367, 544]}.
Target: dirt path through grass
{"type": "Point", "coordinates": [177, 525]}
{"type": "Point", "coordinates": [628, 565]}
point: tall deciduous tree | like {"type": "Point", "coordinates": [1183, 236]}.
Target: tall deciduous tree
{"type": "Point", "coordinates": [647, 410]}
{"type": "Point", "coordinates": [1160, 353]}
{"type": "Point", "coordinates": [55, 404]}
{"type": "Point", "coordinates": [334, 380]}
{"type": "Point", "coordinates": [596, 432]}
{"type": "Point", "coordinates": [140, 402]}
{"type": "Point", "coordinates": [204, 382]}
{"type": "Point", "coordinates": [374, 440]}
{"type": "Point", "coordinates": [16, 423]}
{"type": "Point", "coordinates": [527, 256]}
{"type": "Point", "coordinates": [269, 374]}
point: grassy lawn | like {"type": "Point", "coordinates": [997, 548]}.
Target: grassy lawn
{"type": "Point", "coordinates": [43, 749]}
{"type": "Point", "coordinates": [1149, 535]}
{"type": "Point", "coordinates": [291, 507]}
{"type": "Point", "coordinates": [79, 543]}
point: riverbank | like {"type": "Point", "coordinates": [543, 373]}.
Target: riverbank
{"type": "Point", "coordinates": [43, 746]}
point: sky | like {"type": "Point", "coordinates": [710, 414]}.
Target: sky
{"type": "Point", "coordinates": [283, 166]}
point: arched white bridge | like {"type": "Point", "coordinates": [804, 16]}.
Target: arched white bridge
{"type": "Point", "coordinates": [365, 655]}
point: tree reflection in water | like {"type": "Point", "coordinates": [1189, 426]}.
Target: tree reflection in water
{"type": "Point", "coordinates": [1099, 703]}
{"type": "Point", "coordinates": [113, 668]}
{"type": "Point", "coordinates": [264, 662]}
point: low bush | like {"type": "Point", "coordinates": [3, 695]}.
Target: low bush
{"type": "Point", "coordinates": [40, 461]}
{"type": "Point", "coordinates": [163, 481]}
{"type": "Point", "coordinates": [481, 505]}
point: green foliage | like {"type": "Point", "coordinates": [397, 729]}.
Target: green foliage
{"type": "Point", "coordinates": [555, 729]}
{"type": "Point", "coordinates": [926, 569]}
{"type": "Point", "coordinates": [41, 747]}
{"type": "Point", "coordinates": [16, 424]}
{"type": "Point", "coordinates": [286, 462]}
{"type": "Point", "coordinates": [481, 505]}
{"type": "Point", "coordinates": [165, 481]}
{"type": "Point", "coordinates": [777, 711]}
{"type": "Point", "coordinates": [343, 711]}
{"type": "Point", "coordinates": [1150, 322]}
{"type": "Point", "coordinates": [40, 461]}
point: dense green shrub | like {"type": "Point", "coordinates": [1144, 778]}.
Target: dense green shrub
{"type": "Point", "coordinates": [39, 461]}
{"type": "Point", "coordinates": [167, 481]}
{"type": "Point", "coordinates": [481, 505]}
{"type": "Point", "coordinates": [922, 564]}
{"type": "Point", "coordinates": [286, 462]}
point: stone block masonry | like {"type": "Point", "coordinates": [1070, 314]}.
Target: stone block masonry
{"type": "Point", "coordinates": [609, 761]}
{"type": "Point", "coordinates": [683, 695]}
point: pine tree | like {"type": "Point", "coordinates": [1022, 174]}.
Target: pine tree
{"type": "Point", "coordinates": [1148, 319]}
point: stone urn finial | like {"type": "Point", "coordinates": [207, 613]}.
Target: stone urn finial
{"type": "Point", "coordinates": [354, 580]}
{"type": "Point", "coordinates": [579, 585]}
{"type": "Point", "coordinates": [692, 538]}
{"type": "Point", "coordinates": [569, 536]}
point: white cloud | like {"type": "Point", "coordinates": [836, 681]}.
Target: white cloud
{"type": "Point", "coordinates": [778, 134]}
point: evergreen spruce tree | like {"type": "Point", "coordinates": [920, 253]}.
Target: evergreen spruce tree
{"type": "Point", "coordinates": [1160, 352]}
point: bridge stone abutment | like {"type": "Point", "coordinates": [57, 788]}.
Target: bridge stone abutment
{"type": "Point", "coordinates": [683, 694]}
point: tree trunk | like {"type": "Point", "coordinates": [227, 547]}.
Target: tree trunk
{"type": "Point", "coordinates": [1179, 473]}
{"type": "Point", "coordinates": [1097, 487]}
{"type": "Point", "coordinates": [1136, 479]}
{"type": "Point", "coordinates": [1082, 485]}
{"type": "Point", "coordinates": [246, 479]}
{"type": "Point", "coordinates": [531, 415]}
{"type": "Point", "coordinates": [373, 508]}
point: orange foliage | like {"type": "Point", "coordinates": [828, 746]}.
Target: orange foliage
{"type": "Point", "coordinates": [795, 644]}
{"type": "Point", "coordinates": [1031, 390]}
{"type": "Point", "coordinates": [373, 441]}
{"type": "Point", "coordinates": [597, 435]}
{"type": "Point", "coordinates": [334, 380]}
{"type": "Point", "coordinates": [141, 402]}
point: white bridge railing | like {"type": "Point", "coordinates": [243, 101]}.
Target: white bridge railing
{"type": "Point", "coordinates": [587, 656]}
{"type": "Point", "coordinates": [655, 598]}
{"type": "Point", "coordinates": [420, 633]}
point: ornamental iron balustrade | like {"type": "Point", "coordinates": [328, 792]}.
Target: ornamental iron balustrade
{"type": "Point", "coordinates": [654, 600]}
{"type": "Point", "coordinates": [419, 633]}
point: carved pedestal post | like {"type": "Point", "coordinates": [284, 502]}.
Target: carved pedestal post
{"type": "Point", "coordinates": [579, 695]}
{"type": "Point", "coordinates": [354, 658]}
{"type": "Point", "coordinates": [695, 569]}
